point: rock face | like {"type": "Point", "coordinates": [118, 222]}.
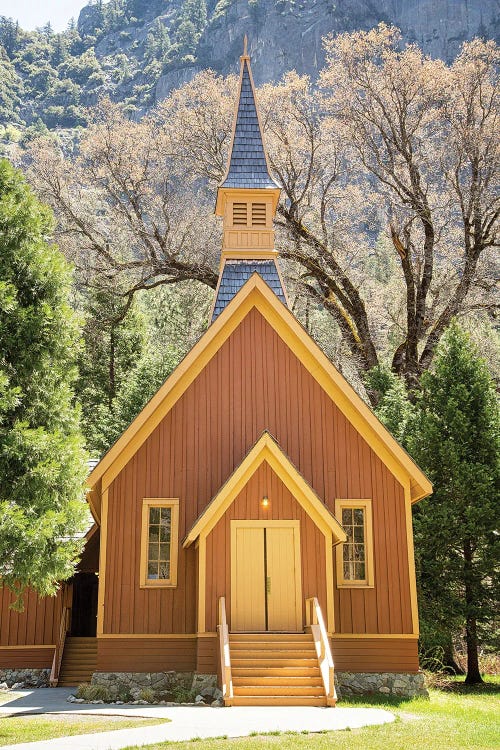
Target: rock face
{"type": "Point", "coordinates": [25, 678]}
{"type": "Point", "coordinates": [384, 683]}
{"type": "Point", "coordinates": [287, 34]}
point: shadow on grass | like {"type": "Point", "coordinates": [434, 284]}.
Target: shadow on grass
{"type": "Point", "coordinates": [459, 686]}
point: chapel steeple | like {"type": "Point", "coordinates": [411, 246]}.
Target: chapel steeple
{"type": "Point", "coordinates": [247, 199]}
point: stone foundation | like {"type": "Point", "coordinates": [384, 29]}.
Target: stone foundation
{"type": "Point", "coordinates": [398, 684]}
{"type": "Point", "coordinates": [25, 678]}
{"type": "Point", "coordinates": [179, 687]}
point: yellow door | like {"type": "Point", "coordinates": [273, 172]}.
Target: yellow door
{"type": "Point", "coordinates": [265, 580]}
{"type": "Point", "coordinates": [282, 579]}
{"type": "Point", "coordinates": [248, 592]}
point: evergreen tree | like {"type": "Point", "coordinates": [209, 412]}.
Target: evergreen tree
{"type": "Point", "coordinates": [196, 12]}
{"type": "Point", "coordinates": [112, 346]}
{"type": "Point", "coordinates": [42, 463]}
{"type": "Point", "coordinates": [394, 408]}
{"type": "Point", "coordinates": [455, 439]}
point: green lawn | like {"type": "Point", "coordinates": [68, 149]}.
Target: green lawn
{"type": "Point", "coordinates": [454, 719]}
{"type": "Point", "coordinates": [30, 728]}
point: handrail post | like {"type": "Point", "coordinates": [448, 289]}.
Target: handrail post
{"type": "Point", "coordinates": [59, 650]}
{"type": "Point", "coordinates": [323, 650]}
{"type": "Point", "coordinates": [225, 656]}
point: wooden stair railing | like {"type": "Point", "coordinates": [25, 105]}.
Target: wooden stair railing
{"type": "Point", "coordinates": [225, 656]}
{"type": "Point", "coordinates": [58, 653]}
{"type": "Point", "coordinates": [314, 620]}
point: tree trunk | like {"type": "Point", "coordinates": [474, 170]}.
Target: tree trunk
{"type": "Point", "coordinates": [473, 674]}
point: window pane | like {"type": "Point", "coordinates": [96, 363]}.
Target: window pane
{"type": "Point", "coordinates": [154, 534]}
{"type": "Point", "coordinates": [166, 515]}
{"type": "Point", "coordinates": [164, 534]}
{"type": "Point", "coordinates": [152, 570]}
{"type": "Point", "coordinates": [153, 552]}
{"type": "Point", "coordinates": [154, 515]}
{"type": "Point", "coordinates": [361, 571]}
{"type": "Point", "coordinates": [164, 570]}
{"type": "Point", "coordinates": [359, 534]}
{"type": "Point", "coordinates": [346, 516]}
{"type": "Point", "coordinates": [359, 552]}
{"type": "Point", "coordinates": [359, 516]}
{"type": "Point", "coordinates": [164, 551]}
{"type": "Point", "coordinates": [346, 571]}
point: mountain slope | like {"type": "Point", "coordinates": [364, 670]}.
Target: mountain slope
{"type": "Point", "coordinates": [137, 51]}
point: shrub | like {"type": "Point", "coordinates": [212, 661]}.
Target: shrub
{"type": "Point", "coordinates": [147, 695]}
{"type": "Point", "coordinates": [93, 692]}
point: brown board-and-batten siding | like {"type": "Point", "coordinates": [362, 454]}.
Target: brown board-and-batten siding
{"type": "Point", "coordinates": [28, 638]}
{"type": "Point", "coordinates": [253, 383]}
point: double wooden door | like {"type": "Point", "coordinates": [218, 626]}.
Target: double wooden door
{"type": "Point", "coordinates": [265, 576]}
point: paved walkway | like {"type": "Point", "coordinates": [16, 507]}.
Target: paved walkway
{"type": "Point", "coordinates": [185, 723]}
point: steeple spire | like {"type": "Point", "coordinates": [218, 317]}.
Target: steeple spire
{"type": "Point", "coordinates": [247, 165]}
{"type": "Point", "coordinates": [247, 199]}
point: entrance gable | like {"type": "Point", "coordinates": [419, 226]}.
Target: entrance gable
{"type": "Point", "coordinates": [266, 449]}
{"type": "Point", "coordinates": [248, 526]}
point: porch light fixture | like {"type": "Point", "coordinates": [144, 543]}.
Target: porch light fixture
{"type": "Point", "coordinates": [265, 502]}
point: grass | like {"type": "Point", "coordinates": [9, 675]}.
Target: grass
{"type": "Point", "coordinates": [15, 729]}
{"type": "Point", "coordinates": [454, 718]}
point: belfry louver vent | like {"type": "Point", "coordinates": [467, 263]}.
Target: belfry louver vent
{"type": "Point", "coordinates": [258, 214]}
{"type": "Point", "coordinates": [240, 214]}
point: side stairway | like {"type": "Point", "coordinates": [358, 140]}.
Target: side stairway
{"type": "Point", "coordinates": [275, 669]}
{"type": "Point", "coordinates": [79, 661]}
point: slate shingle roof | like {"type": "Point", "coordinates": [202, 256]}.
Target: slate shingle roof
{"type": "Point", "coordinates": [237, 272]}
{"type": "Point", "coordinates": [248, 166]}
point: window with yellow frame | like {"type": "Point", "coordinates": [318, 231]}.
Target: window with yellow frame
{"type": "Point", "coordinates": [159, 542]}
{"type": "Point", "coordinates": [355, 556]}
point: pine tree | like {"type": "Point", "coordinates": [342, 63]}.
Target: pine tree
{"type": "Point", "coordinates": [42, 463]}
{"type": "Point", "coordinates": [455, 439]}
{"type": "Point", "coordinates": [112, 345]}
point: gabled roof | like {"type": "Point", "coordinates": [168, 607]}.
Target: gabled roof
{"type": "Point", "coordinates": [266, 449]}
{"type": "Point", "coordinates": [256, 294]}
{"type": "Point", "coordinates": [236, 272]}
{"type": "Point", "coordinates": [248, 167]}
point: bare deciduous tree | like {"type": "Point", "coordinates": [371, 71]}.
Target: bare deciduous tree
{"type": "Point", "coordinates": [389, 210]}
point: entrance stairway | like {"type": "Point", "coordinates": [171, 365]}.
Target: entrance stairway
{"type": "Point", "coordinates": [79, 661]}
{"type": "Point", "coordinates": [270, 669]}
{"type": "Point", "coordinates": [277, 669]}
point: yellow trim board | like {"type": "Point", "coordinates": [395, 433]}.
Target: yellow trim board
{"type": "Point", "coordinates": [35, 645]}
{"type": "Point", "coordinates": [412, 576]}
{"type": "Point", "coordinates": [166, 636]}
{"type": "Point", "coordinates": [266, 449]}
{"type": "Point", "coordinates": [255, 293]}
{"type": "Point", "coordinates": [102, 564]}
{"type": "Point", "coordinates": [397, 636]}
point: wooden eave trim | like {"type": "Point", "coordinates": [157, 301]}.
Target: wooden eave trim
{"type": "Point", "coordinates": [256, 293]}
{"type": "Point", "coordinates": [245, 194]}
{"type": "Point", "coordinates": [266, 449]}
{"type": "Point", "coordinates": [90, 533]}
